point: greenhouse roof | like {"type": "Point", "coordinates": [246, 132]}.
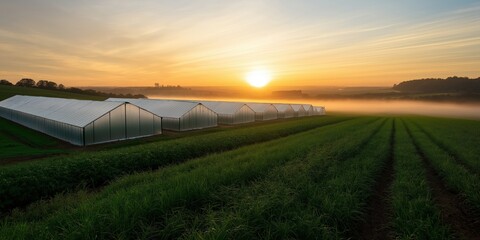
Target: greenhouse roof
{"type": "Point", "coordinates": [282, 107]}
{"type": "Point", "coordinates": [223, 107]}
{"type": "Point", "coordinates": [259, 107]}
{"type": "Point", "coordinates": [70, 111]}
{"type": "Point", "coordinates": [297, 107]}
{"type": "Point", "coordinates": [162, 108]}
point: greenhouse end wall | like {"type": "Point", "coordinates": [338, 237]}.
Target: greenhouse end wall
{"type": "Point", "coordinates": [286, 114]}
{"type": "Point", "coordinates": [300, 113]}
{"type": "Point", "coordinates": [125, 122]}
{"type": "Point", "coordinates": [197, 118]}
{"type": "Point", "coordinates": [243, 115]}
{"type": "Point", "coordinates": [270, 113]}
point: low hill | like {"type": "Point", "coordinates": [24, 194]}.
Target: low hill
{"type": "Point", "coordinates": [448, 85]}
{"type": "Point", "coordinates": [9, 91]}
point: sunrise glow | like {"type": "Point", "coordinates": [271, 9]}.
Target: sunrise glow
{"type": "Point", "coordinates": [258, 78]}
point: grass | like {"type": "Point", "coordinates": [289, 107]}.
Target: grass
{"type": "Point", "coordinates": [456, 177]}
{"type": "Point", "coordinates": [304, 179]}
{"type": "Point", "coordinates": [123, 208]}
{"type": "Point", "coordinates": [45, 178]}
{"type": "Point", "coordinates": [303, 199]}
{"type": "Point", "coordinates": [10, 91]}
{"type": "Point", "coordinates": [18, 141]}
{"type": "Point", "coordinates": [414, 213]}
{"type": "Point", "coordinates": [448, 135]}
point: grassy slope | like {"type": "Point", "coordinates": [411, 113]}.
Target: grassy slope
{"type": "Point", "coordinates": [18, 141]}
{"type": "Point", "coordinates": [9, 91]}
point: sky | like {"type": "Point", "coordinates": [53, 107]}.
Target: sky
{"type": "Point", "coordinates": [216, 43]}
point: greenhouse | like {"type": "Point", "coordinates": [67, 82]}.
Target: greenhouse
{"type": "Point", "coordinates": [299, 110]}
{"type": "Point", "coordinates": [264, 111]}
{"type": "Point", "coordinates": [284, 110]}
{"type": "Point", "coordinates": [81, 122]}
{"type": "Point", "coordinates": [309, 111]}
{"type": "Point", "coordinates": [320, 110]}
{"type": "Point", "coordinates": [176, 115]}
{"type": "Point", "coordinates": [231, 112]}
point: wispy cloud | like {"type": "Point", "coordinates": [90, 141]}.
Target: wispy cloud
{"type": "Point", "coordinates": [215, 42]}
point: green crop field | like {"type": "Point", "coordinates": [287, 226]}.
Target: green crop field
{"type": "Point", "coordinates": [17, 141]}
{"type": "Point", "coordinates": [335, 177]}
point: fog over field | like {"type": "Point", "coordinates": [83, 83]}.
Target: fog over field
{"type": "Point", "coordinates": [460, 110]}
{"type": "Point", "coordinates": [403, 107]}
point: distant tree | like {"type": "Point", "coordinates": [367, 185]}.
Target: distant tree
{"type": "Point", "coordinates": [26, 82]}
{"type": "Point", "coordinates": [75, 90]}
{"type": "Point", "coordinates": [453, 84]}
{"type": "Point", "coordinates": [5, 82]}
{"type": "Point", "coordinates": [51, 85]}
{"type": "Point", "coordinates": [46, 84]}
{"type": "Point", "coordinates": [61, 87]}
{"type": "Point", "coordinates": [42, 84]}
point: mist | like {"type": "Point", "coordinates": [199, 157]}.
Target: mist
{"type": "Point", "coordinates": [391, 107]}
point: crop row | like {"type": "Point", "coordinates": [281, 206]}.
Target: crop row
{"type": "Point", "coordinates": [25, 183]}
{"type": "Point", "coordinates": [125, 208]}
{"type": "Point", "coordinates": [449, 134]}
{"type": "Point", "coordinates": [456, 176]}
{"type": "Point", "coordinates": [320, 196]}
{"type": "Point", "coordinates": [414, 213]}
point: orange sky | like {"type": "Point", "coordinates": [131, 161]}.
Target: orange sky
{"type": "Point", "coordinates": [201, 43]}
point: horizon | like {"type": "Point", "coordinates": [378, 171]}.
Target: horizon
{"type": "Point", "coordinates": [216, 43]}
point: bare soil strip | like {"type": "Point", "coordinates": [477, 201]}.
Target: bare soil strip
{"type": "Point", "coordinates": [452, 206]}
{"type": "Point", "coordinates": [377, 219]}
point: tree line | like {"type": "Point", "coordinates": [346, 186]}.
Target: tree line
{"type": "Point", "coordinates": [45, 84]}
{"type": "Point", "coordinates": [438, 85]}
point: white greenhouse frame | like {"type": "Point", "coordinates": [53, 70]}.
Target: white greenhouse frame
{"type": "Point", "coordinates": [176, 115]}
{"type": "Point", "coordinates": [264, 111]}
{"type": "Point", "coordinates": [284, 110]}
{"type": "Point", "coordinates": [231, 112]}
{"type": "Point", "coordinates": [81, 122]}
{"type": "Point", "coordinates": [299, 110]}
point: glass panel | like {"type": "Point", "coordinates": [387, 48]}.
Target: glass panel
{"type": "Point", "coordinates": [117, 123]}
{"type": "Point", "coordinates": [146, 123]}
{"type": "Point", "coordinates": [171, 124]}
{"type": "Point", "coordinates": [158, 124]}
{"type": "Point", "coordinates": [89, 134]}
{"type": "Point", "coordinates": [101, 129]}
{"type": "Point", "coordinates": [133, 124]}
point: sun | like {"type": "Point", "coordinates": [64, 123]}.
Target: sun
{"type": "Point", "coordinates": [258, 78]}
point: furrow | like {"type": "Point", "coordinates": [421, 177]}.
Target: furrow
{"type": "Point", "coordinates": [376, 221]}
{"type": "Point", "coordinates": [450, 152]}
{"type": "Point", "coordinates": [452, 205]}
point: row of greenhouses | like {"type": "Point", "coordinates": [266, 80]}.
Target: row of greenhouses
{"type": "Point", "coordinates": [82, 122]}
